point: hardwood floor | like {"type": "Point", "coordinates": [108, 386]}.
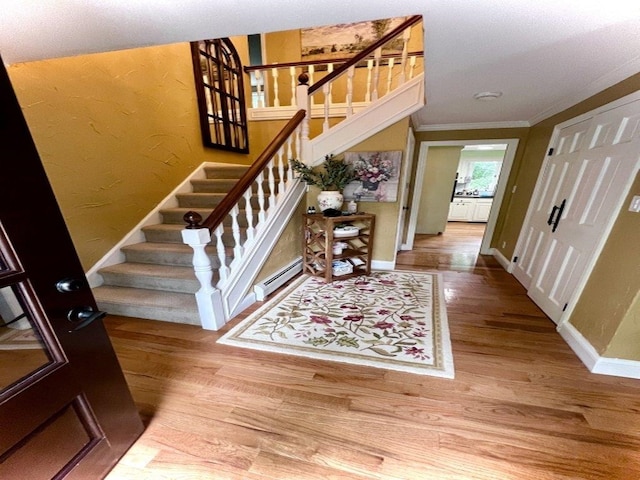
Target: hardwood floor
{"type": "Point", "coordinates": [522, 406]}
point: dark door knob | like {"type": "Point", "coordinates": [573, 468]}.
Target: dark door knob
{"type": "Point", "coordinates": [83, 316]}
{"type": "Point", "coordinates": [67, 285]}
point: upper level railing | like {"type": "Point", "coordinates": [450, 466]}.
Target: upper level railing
{"type": "Point", "coordinates": [376, 74]}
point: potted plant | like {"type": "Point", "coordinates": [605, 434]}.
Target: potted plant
{"type": "Point", "coordinates": [331, 176]}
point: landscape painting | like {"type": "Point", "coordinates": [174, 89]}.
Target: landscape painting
{"type": "Point", "coordinates": [347, 39]}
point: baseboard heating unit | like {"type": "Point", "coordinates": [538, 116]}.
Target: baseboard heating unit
{"type": "Point", "coordinates": [278, 279]}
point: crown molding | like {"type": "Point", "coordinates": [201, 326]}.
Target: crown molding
{"type": "Point", "coordinates": [615, 76]}
{"type": "Point", "coordinates": [471, 126]}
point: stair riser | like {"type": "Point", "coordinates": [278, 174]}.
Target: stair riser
{"type": "Point", "coordinates": [175, 236]}
{"type": "Point", "coordinates": [225, 172]}
{"type": "Point", "coordinates": [151, 283]}
{"type": "Point", "coordinates": [175, 217]}
{"type": "Point", "coordinates": [223, 186]}
{"type": "Point", "coordinates": [168, 258]}
{"type": "Point", "coordinates": [189, 317]}
{"type": "Point", "coordinates": [210, 200]}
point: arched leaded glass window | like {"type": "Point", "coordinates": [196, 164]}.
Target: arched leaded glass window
{"type": "Point", "coordinates": [218, 75]}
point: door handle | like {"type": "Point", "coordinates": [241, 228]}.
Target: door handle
{"type": "Point", "coordinates": [553, 212]}
{"type": "Point", "coordinates": [560, 210]}
{"type": "Point", "coordinates": [83, 316]}
{"type": "Point", "coordinates": [68, 285]}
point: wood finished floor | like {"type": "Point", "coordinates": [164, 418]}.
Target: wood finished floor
{"type": "Point", "coordinates": [522, 406]}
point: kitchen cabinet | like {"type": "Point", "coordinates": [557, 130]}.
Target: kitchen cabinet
{"type": "Point", "coordinates": [460, 210]}
{"type": "Point", "coordinates": [470, 209]}
{"type": "Point", "coordinates": [330, 251]}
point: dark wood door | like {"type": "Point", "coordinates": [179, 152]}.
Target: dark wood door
{"type": "Point", "coordinates": [65, 409]}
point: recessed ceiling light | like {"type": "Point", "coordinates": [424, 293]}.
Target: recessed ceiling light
{"type": "Point", "coordinates": [487, 96]}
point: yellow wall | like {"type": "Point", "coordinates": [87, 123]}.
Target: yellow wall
{"type": "Point", "coordinates": [607, 313]}
{"type": "Point", "coordinates": [435, 198]}
{"type": "Point", "coordinates": [391, 138]}
{"type": "Point", "coordinates": [117, 132]}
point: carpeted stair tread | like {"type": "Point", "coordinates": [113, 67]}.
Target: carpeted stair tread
{"type": "Point", "coordinates": [151, 276]}
{"type": "Point", "coordinates": [166, 253]}
{"type": "Point", "coordinates": [152, 304]}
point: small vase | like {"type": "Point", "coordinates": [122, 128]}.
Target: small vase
{"type": "Point", "coordinates": [330, 199]}
{"type": "Point", "coordinates": [371, 186]}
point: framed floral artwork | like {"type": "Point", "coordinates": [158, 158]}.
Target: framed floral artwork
{"type": "Point", "coordinates": [377, 176]}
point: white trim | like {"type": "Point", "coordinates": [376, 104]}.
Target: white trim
{"type": "Point", "coordinates": [505, 172]}
{"type": "Point", "coordinates": [317, 111]}
{"type": "Point", "coordinates": [136, 235]}
{"type": "Point", "coordinates": [592, 360]}
{"type": "Point", "coordinates": [382, 265]}
{"type": "Point", "coordinates": [237, 293]}
{"type": "Point", "coordinates": [468, 126]}
{"type": "Point", "coordinates": [405, 188]}
{"type": "Point", "coordinates": [393, 107]}
{"type": "Point", "coordinates": [502, 260]}
{"type": "Point", "coordinates": [611, 78]}
{"type": "Point", "coordinates": [415, 202]}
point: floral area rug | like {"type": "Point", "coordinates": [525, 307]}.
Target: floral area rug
{"type": "Point", "coordinates": [394, 320]}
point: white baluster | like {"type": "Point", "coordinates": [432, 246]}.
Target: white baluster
{"type": "Point", "coordinates": [223, 270]}
{"type": "Point", "coordinates": [310, 71]}
{"type": "Point", "coordinates": [367, 96]}
{"type": "Point", "coordinates": [303, 103]}
{"type": "Point", "coordinates": [261, 215]}
{"type": "Point", "coordinates": [238, 250]}
{"type": "Point", "coordinates": [350, 73]}
{"type": "Point", "coordinates": [406, 35]}
{"type": "Point", "coordinates": [276, 92]}
{"type": "Point", "coordinates": [208, 298]}
{"type": "Point", "coordinates": [298, 152]}
{"type": "Point", "coordinates": [389, 74]}
{"type": "Point", "coordinates": [412, 66]}
{"type": "Point", "coordinates": [330, 71]}
{"type": "Point", "coordinates": [376, 73]}
{"type": "Point", "coordinates": [272, 185]}
{"type": "Point", "coordinates": [280, 156]}
{"type": "Point", "coordinates": [248, 213]}
{"type": "Point", "coordinates": [294, 84]}
{"type": "Point", "coordinates": [325, 92]}
{"type": "Point", "coordinates": [259, 88]}
{"type": "Point", "coordinates": [289, 144]}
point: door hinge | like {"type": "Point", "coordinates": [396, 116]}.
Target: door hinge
{"type": "Point", "coordinates": [515, 259]}
{"type": "Point", "coordinates": [550, 151]}
{"type": "Point", "coordinates": [565, 307]}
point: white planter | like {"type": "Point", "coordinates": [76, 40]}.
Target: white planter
{"type": "Point", "coordinates": [330, 199]}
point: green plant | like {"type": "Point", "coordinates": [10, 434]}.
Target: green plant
{"type": "Point", "coordinates": [332, 174]}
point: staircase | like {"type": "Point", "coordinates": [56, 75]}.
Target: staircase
{"type": "Point", "coordinates": [156, 280]}
{"type": "Point", "coordinates": [163, 271]}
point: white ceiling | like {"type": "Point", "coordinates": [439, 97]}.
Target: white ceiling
{"type": "Point", "coordinates": [544, 55]}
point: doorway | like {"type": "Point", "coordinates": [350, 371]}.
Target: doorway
{"type": "Point", "coordinates": [498, 193]}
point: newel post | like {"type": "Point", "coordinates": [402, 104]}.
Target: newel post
{"type": "Point", "coordinates": [208, 298]}
{"type": "Point", "coordinates": [304, 103]}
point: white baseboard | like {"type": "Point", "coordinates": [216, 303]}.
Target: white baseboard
{"type": "Point", "coordinates": [592, 360]}
{"type": "Point", "coordinates": [502, 260]}
{"type": "Point", "coordinates": [382, 265]}
{"type": "Point", "coordinates": [115, 256]}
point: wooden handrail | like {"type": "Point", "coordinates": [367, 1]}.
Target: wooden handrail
{"type": "Point", "coordinates": [237, 191]}
{"type": "Point", "coordinates": [305, 63]}
{"type": "Point", "coordinates": [365, 53]}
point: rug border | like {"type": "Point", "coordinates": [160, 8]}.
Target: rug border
{"type": "Point", "coordinates": [443, 359]}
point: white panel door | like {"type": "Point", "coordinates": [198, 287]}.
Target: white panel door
{"type": "Point", "coordinates": [578, 197]}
